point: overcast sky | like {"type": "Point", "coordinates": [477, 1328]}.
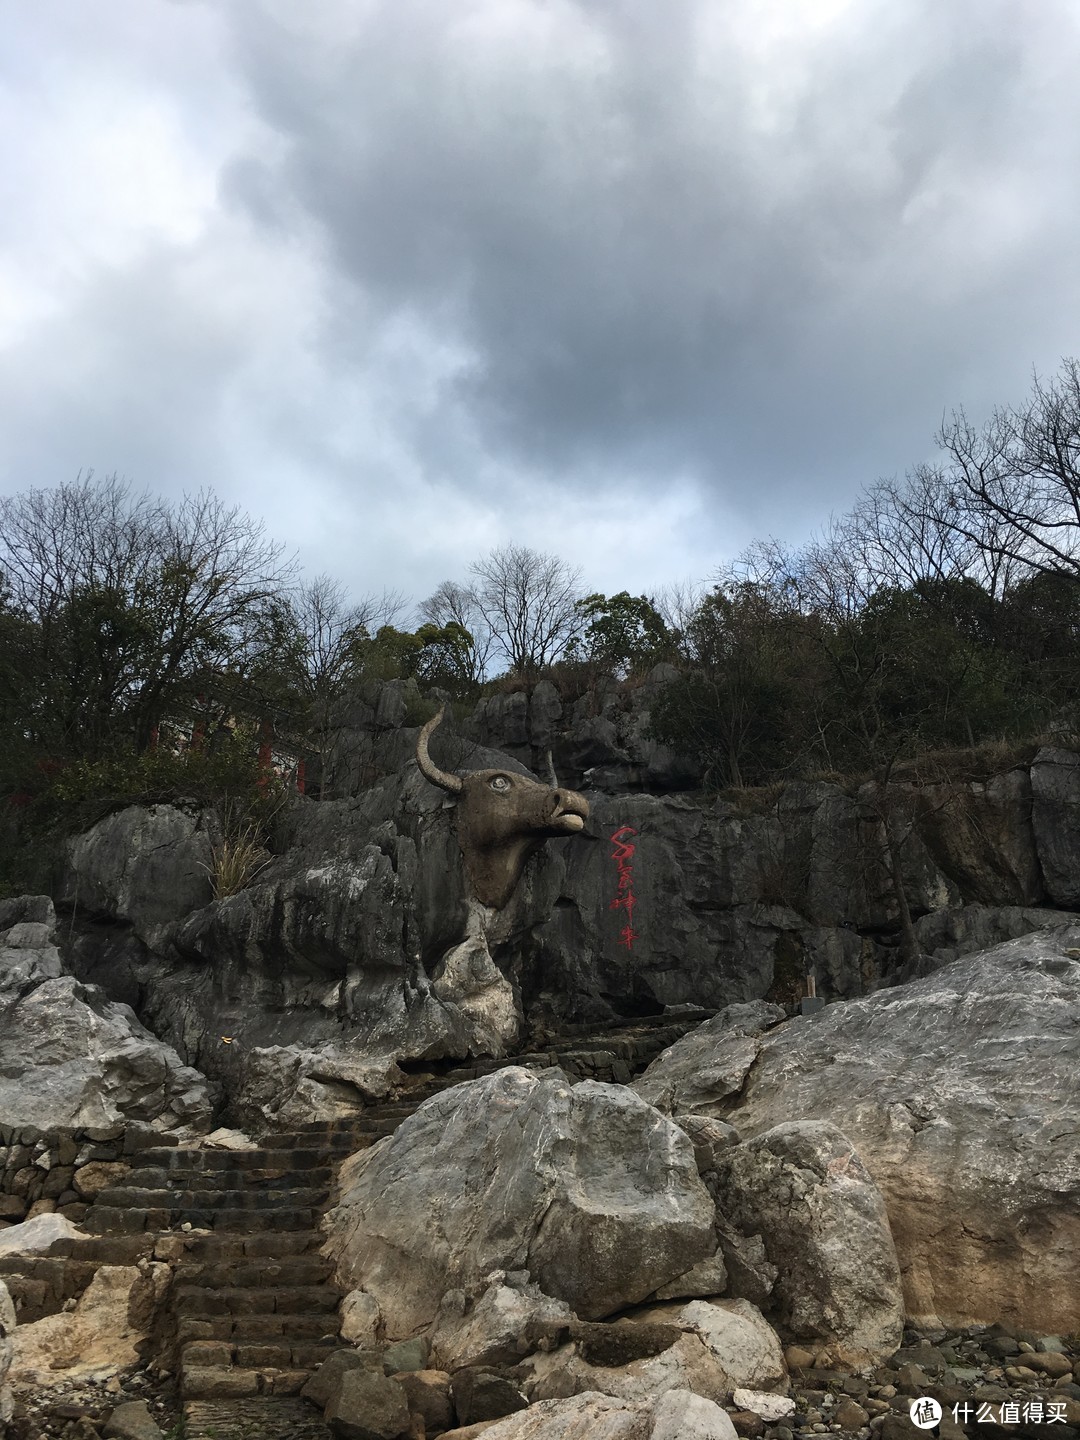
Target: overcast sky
{"type": "Point", "coordinates": [630, 281]}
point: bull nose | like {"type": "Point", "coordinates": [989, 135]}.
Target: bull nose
{"type": "Point", "coordinates": [569, 802]}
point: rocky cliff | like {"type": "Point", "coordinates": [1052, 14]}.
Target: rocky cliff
{"type": "Point", "coordinates": [330, 971]}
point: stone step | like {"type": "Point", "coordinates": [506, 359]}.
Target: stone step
{"type": "Point", "coordinates": [125, 1220]}
{"type": "Point", "coordinates": [157, 1177]}
{"type": "Point", "coordinates": [273, 1246]}
{"type": "Point", "coordinates": [297, 1157]}
{"type": "Point", "coordinates": [266, 1354]}
{"type": "Point", "coordinates": [209, 1198]}
{"type": "Point", "coordinates": [253, 1329]}
{"type": "Point", "coordinates": [255, 1272]}
{"type": "Point", "coordinates": [105, 1249]}
{"type": "Point", "coordinates": [271, 1418]}
{"type": "Point", "coordinates": [254, 1300]}
{"type": "Point", "coordinates": [219, 1382]}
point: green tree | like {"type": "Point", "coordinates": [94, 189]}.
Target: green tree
{"type": "Point", "coordinates": [623, 634]}
{"type": "Point", "coordinates": [740, 708]}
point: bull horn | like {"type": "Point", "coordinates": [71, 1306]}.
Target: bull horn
{"type": "Point", "coordinates": [428, 768]}
{"type": "Point", "coordinates": [551, 771]}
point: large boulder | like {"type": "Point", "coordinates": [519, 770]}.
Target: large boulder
{"type": "Point", "coordinates": [70, 1057]}
{"type": "Point", "coordinates": [588, 1189]}
{"type": "Point", "coordinates": [823, 1222]}
{"type": "Point", "coordinates": [709, 1348]}
{"type": "Point", "coordinates": [958, 1091]}
{"type": "Point", "coordinates": [145, 865]}
{"type": "Point", "coordinates": [674, 1415]}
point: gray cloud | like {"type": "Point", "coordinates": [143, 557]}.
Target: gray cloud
{"type": "Point", "coordinates": [637, 282]}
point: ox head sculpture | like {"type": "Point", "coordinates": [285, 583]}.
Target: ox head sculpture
{"type": "Point", "coordinates": [502, 817]}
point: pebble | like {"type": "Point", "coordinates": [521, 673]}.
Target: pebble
{"type": "Point", "coordinates": [48, 1412]}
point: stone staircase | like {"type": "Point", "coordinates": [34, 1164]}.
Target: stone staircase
{"type": "Point", "coordinates": [253, 1304]}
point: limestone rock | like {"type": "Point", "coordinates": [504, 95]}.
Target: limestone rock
{"type": "Point", "coordinates": [675, 1415]}
{"type": "Point", "coordinates": [687, 1364]}
{"type": "Point", "coordinates": [132, 1421]}
{"type": "Point", "coordinates": [70, 1057]}
{"type": "Point", "coordinates": [7, 1350]}
{"type": "Point", "coordinates": [480, 1394]}
{"type": "Point", "coordinates": [740, 1340]}
{"type": "Point", "coordinates": [952, 1090]}
{"type": "Point", "coordinates": [99, 1337]}
{"type": "Point", "coordinates": [361, 1319]}
{"type": "Point", "coordinates": [770, 1407]}
{"type": "Point", "coordinates": [339, 961]}
{"type": "Point", "coordinates": [680, 1415]}
{"type": "Point", "coordinates": [824, 1226]}
{"type": "Point", "coordinates": [145, 864]}
{"type": "Point", "coordinates": [427, 1393]}
{"type": "Point", "coordinates": [519, 1172]}
{"type": "Point", "coordinates": [36, 1237]}
{"type": "Point", "coordinates": [366, 1405]}
{"type": "Point", "coordinates": [324, 1382]}
{"type": "Point", "coordinates": [91, 1179]}
{"type": "Point", "coordinates": [505, 1323]}
{"type": "Point", "coordinates": [1055, 820]}
{"type": "Point", "coordinates": [581, 1417]}
{"type": "Point", "coordinates": [709, 1348]}
{"type": "Point", "coordinates": [707, 1277]}
{"type": "Point", "coordinates": [703, 1070]}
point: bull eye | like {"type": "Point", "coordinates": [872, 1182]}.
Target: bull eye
{"type": "Point", "coordinates": [500, 782]}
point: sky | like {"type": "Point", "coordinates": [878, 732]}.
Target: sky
{"type": "Point", "coordinates": [631, 283]}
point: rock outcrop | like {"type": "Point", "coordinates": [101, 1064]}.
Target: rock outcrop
{"type": "Point", "coordinates": [824, 1226]}
{"type": "Point", "coordinates": [588, 1190]}
{"type": "Point", "coordinates": [7, 1350]}
{"type": "Point", "coordinates": [69, 1056]}
{"type": "Point", "coordinates": [956, 1091]}
{"type": "Point", "coordinates": [101, 1335]}
{"type": "Point", "coordinates": [355, 948]}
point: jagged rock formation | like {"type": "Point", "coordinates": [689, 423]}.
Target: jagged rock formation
{"type": "Point", "coordinates": [514, 1173]}
{"type": "Point", "coordinates": [959, 1092]}
{"type": "Point", "coordinates": [69, 1056]}
{"type": "Point", "coordinates": [338, 963]}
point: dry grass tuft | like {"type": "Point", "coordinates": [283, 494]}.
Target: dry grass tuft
{"type": "Point", "coordinates": [235, 861]}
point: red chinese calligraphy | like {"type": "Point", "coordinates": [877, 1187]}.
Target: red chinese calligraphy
{"type": "Point", "coordinates": [623, 855]}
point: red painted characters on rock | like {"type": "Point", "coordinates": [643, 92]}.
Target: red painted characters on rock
{"type": "Point", "coordinates": [623, 855]}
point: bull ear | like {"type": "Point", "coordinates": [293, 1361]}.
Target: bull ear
{"type": "Point", "coordinates": [428, 768]}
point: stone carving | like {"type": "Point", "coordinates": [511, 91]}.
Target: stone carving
{"type": "Point", "coordinates": [502, 818]}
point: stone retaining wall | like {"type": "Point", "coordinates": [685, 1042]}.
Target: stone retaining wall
{"type": "Point", "coordinates": [62, 1171]}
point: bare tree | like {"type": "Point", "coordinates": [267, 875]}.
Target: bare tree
{"type": "Point", "coordinates": [1014, 485]}
{"type": "Point", "coordinates": [529, 604]}
{"type": "Point", "coordinates": [457, 604]}
{"type": "Point", "coordinates": [678, 603]}
{"type": "Point", "coordinates": [131, 600]}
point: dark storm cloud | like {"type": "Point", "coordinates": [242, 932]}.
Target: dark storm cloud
{"type": "Point", "coordinates": [633, 282]}
{"type": "Point", "coordinates": [663, 242]}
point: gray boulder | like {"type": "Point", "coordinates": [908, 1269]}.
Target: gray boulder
{"type": "Point", "coordinates": [367, 1405]}
{"type": "Point", "coordinates": [701, 1072]}
{"type": "Point", "coordinates": [589, 1190]}
{"type": "Point", "coordinates": [145, 865]}
{"type": "Point", "coordinates": [824, 1226]}
{"type": "Point", "coordinates": [132, 1421]}
{"type": "Point", "coordinates": [70, 1057]}
{"type": "Point", "coordinates": [958, 1092]}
